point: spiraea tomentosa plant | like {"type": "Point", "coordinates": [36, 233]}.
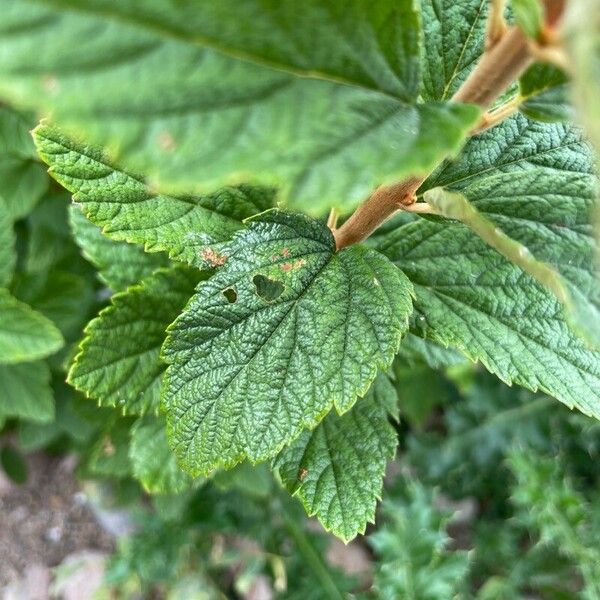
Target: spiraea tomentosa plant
{"type": "Point", "coordinates": [203, 142]}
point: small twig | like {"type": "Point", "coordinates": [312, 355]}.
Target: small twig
{"type": "Point", "coordinates": [493, 117]}
{"type": "Point", "coordinates": [332, 219]}
{"type": "Point", "coordinates": [496, 25]}
{"type": "Point", "coordinates": [421, 208]}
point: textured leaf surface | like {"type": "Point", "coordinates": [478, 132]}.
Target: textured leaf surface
{"type": "Point", "coordinates": [152, 461]}
{"type": "Point", "coordinates": [25, 392]}
{"type": "Point", "coordinates": [545, 94]}
{"type": "Point", "coordinates": [7, 245]}
{"type": "Point", "coordinates": [249, 371]}
{"type": "Point", "coordinates": [326, 126]}
{"type": "Point", "coordinates": [337, 468]}
{"type": "Point", "coordinates": [415, 350]}
{"type": "Point", "coordinates": [126, 209]}
{"type": "Point", "coordinates": [583, 315]}
{"type": "Point", "coordinates": [118, 362]}
{"type": "Point", "coordinates": [454, 33]}
{"type": "Point", "coordinates": [22, 178]}
{"type": "Point", "coordinates": [25, 334]}
{"type": "Point", "coordinates": [119, 264]}
{"type": "Point", "coordinates": [534, 181]}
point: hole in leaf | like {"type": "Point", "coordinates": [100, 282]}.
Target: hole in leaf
{"type": "Point", "coordinates": [231, 295]}
{"type": "Point", "coordinates": [267, 289]}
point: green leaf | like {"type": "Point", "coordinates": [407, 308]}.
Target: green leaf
{"type": "Point", "coordinates": [127, 210]}
{"type": "Point", "coordinates": [544, 94]}
{"type": "Point", "coordinates": [119, 264]}
{"type": "Point", "coordinates": [198, 111]}
{"type": "Point", "coordinates": [529, 16]}
{"type": "Point", "coordinates": [118, 361]}
{"type": "Point", "coordinates": [246, 377]}
{"type": "Point", "coordinates": [25, 392]}
{"type": "Point", "coordinates": [25, 334]}
{"type": "Point", "coordinates": [411, 548]}
{"type": "Point", "coordinates": [454, 32]}
{"type": "Point", "coordinates": [109, 454]}
{"type": "Point", "coordinates": [22, 179]}
{"type": "Point", "coordinates": [152, 461]}
{"type": "Point", "coordinates": [415, 351]}
{"type": "Point", "coordinates": [8, 254]}
{"type": "Point", "coordinates": [337, 468]}
{"type": "Point", "coordinates": [535, 182]}
{"type": "Point", "coordinates": [583, 314]}
{"type": "Point", "coordinates": [64, 298]}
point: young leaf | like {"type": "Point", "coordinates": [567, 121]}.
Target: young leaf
{"type": "Point", "coordinates": [152, 461]}
{"type": "Point", "coordinates": [544, 94]}
{"type": "Point", "coordinates": [8, 255]}
{"type": "Point", "coordinates": [127, 210]}
{"type": "Point", "coordinates": [22, 179]}
{"type": "Point", "coordinates": [337, 468]}
{"type": "Point", "coordinates": [583, 314]}
{"type": "Point", "coordinates": [325, 119]}
{"type": "Point", "coordinates": [246, 376]}
{"type": "Point", "coordinates": [454, 33]}
{"type": "Point", "coordinates": [119, 264]}
{"type": "Point", "coordinates": [118, 362]}
{"type": "Point", "coordinates": [25, 392]}
{"type": "Point", "coordinates": [25, 334]}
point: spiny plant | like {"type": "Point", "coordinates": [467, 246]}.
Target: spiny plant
{"type": "Point", "coordinates": [203, 142]}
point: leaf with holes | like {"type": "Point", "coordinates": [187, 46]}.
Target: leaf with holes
{"type": "Point", "coordinates": [201, 95]}
{"type": "Point", "coordinates": [337, 468]}
{"type": "Point", "coordinates": [118, 361]}
{"type": "Point", "coordinates": [306, 331]}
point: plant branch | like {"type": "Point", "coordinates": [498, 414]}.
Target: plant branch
{"type": "Point", "coordinates": [500, 64]}
{"type": "Point", "coordinates": [493, 117]}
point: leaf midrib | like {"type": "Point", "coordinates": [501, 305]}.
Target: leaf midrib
{"type": "Point", "coordinates": [211, 44]}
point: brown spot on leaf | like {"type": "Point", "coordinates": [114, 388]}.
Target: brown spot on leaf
{"type": "Point", "coordinates": [302, 473]}
{"type": "Point", "coordinates": [285, 252]}
{"type": "Point", "coordinates": [213, 258]}
{"type": "Point", "coordinates": [166, 141]}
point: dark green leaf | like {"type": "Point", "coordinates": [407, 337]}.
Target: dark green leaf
{"type": "Point", "coordinates": [245, 378]}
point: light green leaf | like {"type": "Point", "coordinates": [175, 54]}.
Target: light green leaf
{"type": "Point", "coordinates": [583, 314]}
{"type": "Point", "coordinates": [127, 210]}
{"type": "Point", "coordinates": [22, 179]}
{"type": "Point", "coordinates": [25, 392]}
{"type": "Point", "coordinates": [25, 334]}
{"type": "Point", "coordinates": [454, 32]}
{"type": "Point", "coordinates": [529, 16]}
{"type": "Point", "coordinates": [582, 41]}
{"type": "Point", "coordinates": [249, 371]}
{"type": "Point", "coordinates": [544, 94]}
{"type": "Point", "coordinates": [118, 361]}
{"type": "Point", "coordinates": [535, 182]}
{"type": "Point", "coordinates": [325, 119]}
{"type": "Point", "coordinates": [119, 264]}
{"type": "Point", "coordinates": [152, 461]}
{"type": "Point", "coordinates": [337, 468]}
{"type": "Point", "coordinates": [8, 254]}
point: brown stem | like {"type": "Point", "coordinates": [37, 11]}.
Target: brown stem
{"type": "Point", "coordinates": [498, 67]}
